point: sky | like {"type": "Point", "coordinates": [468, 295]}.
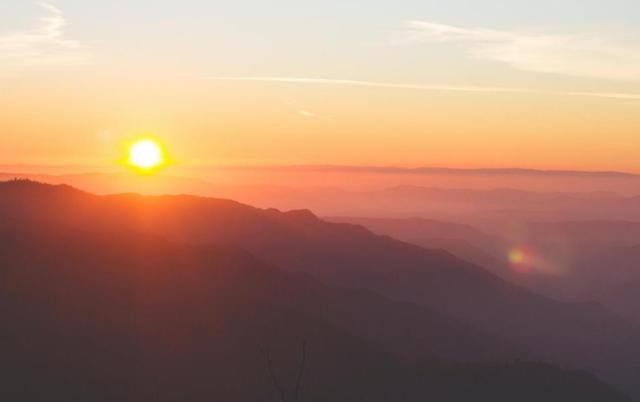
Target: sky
{"type": "Point", "coordinates": [551, 84]}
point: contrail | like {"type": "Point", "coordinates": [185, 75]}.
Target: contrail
{"type": "Point", "coordinates": [443, 88]}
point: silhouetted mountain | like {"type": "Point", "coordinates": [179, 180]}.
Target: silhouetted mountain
{"type": "Point", "coordinates": [582, 335]}
{"type": "Point", "coordinates": [507, 205]}
{"type": "Point", "coordinates": [109, 183]}
{"type": "Point", "coordinates": [599, 260]}
{"type": "Point", "coordinates": [491, 206]}
{"type": "Point", "coordinates": [612, 276]}
{"type": "Point", "coordinates": [582, 259]}
{"type": "Point", "coordinates": [587, 235]}
{"type": "Point", "coordinates": [97, 317]}
{"type": "Point", "coordinates": [464, 241]}
{"type": "Point", "coordinates": [424, 230]}
{"type": "Point", "coordinates": [441, 170]}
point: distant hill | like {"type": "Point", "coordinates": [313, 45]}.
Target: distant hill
{"type": "Point", "coordinates": [96, 317]}
{"type": "Point", "coordinates": [601, 259]}
{"type": "Point", "coordinates": [589, 234]}
{"type": "Point", "coordinates": [441, 170]}
{"type": "Point", "coordinates": [613, 275]}
{"type": "Point", "coordinates": [578, 335]}
{"type": "Point", "coordinates": [109, 183]}
{"type": "Point", "coordinates": [467, 242]}
{"type": "Point", "coordinates": [487, 205]}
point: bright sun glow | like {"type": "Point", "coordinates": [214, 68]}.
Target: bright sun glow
{"type": "Point", "coordinates": [146, 154]}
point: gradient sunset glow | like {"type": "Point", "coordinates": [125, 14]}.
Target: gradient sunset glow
{"type": "Point", "coordinates": [424, 84]}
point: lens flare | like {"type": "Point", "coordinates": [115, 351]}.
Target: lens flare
{"type": "Point", "coordinates": [520, 259]}
{"type": "Point", "coordinates": [528, 260]}
{"type": "Point", "coordinates": [516, 256]}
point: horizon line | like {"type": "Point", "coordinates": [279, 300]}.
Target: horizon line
{"type": "Point", "coordinates": [365, 169]}
{"type": "Point", "coordinates": [435, 170]}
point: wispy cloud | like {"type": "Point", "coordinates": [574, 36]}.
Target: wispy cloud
{"type": "Point", "coordinates": [357, 83]}
{"type": "Point", "coordinates": [443, 88]}
{"type": "Point", "coordinates": [316, 116]}
{"type": "Point", "coordinates": [44, 45]}
{"type": "Point", "coordinates": [306, 113]}
{"type": "Point", "coordinates": [576, 54]}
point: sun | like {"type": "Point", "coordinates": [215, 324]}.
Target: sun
{"type": "Point", "coordinates": [146, 155]}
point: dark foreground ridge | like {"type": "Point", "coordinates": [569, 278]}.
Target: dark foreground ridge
{"type": "Point", "coordinates": [103, 304]}
{"type": "Point", "coordinates": [97, 318]}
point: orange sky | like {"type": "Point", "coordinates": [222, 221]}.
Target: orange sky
{"type": "Point", "coordinates": [73, 95]}
{"type": "Point", "coordinates": [240, 123]}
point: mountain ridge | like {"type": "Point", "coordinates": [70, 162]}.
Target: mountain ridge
{"type": "Point", "coordinates": [97, 317]}
{"type": "Point", "coordinates": [351, 256]}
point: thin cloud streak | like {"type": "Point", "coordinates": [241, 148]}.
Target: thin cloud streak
{"type": "Point", "coordinates": [357, 83]}
{"type": "Point", "coordinates": [611, 95]}
{"type": "Point", "coordinates": [574, 54]}
{"type": "Point", "coordinates": [312, 115]}
{"type": "Point", "coordinates": [306, 113]}
{"type": "Point", "coordinates": [443, 88]}
{"type": "Point", "coordinates": [45, 45]}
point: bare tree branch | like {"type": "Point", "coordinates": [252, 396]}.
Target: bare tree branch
{"type": "Point", "coordinates": [301, 371]}
{"type": "Point", "coordinates": [267, 355]}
